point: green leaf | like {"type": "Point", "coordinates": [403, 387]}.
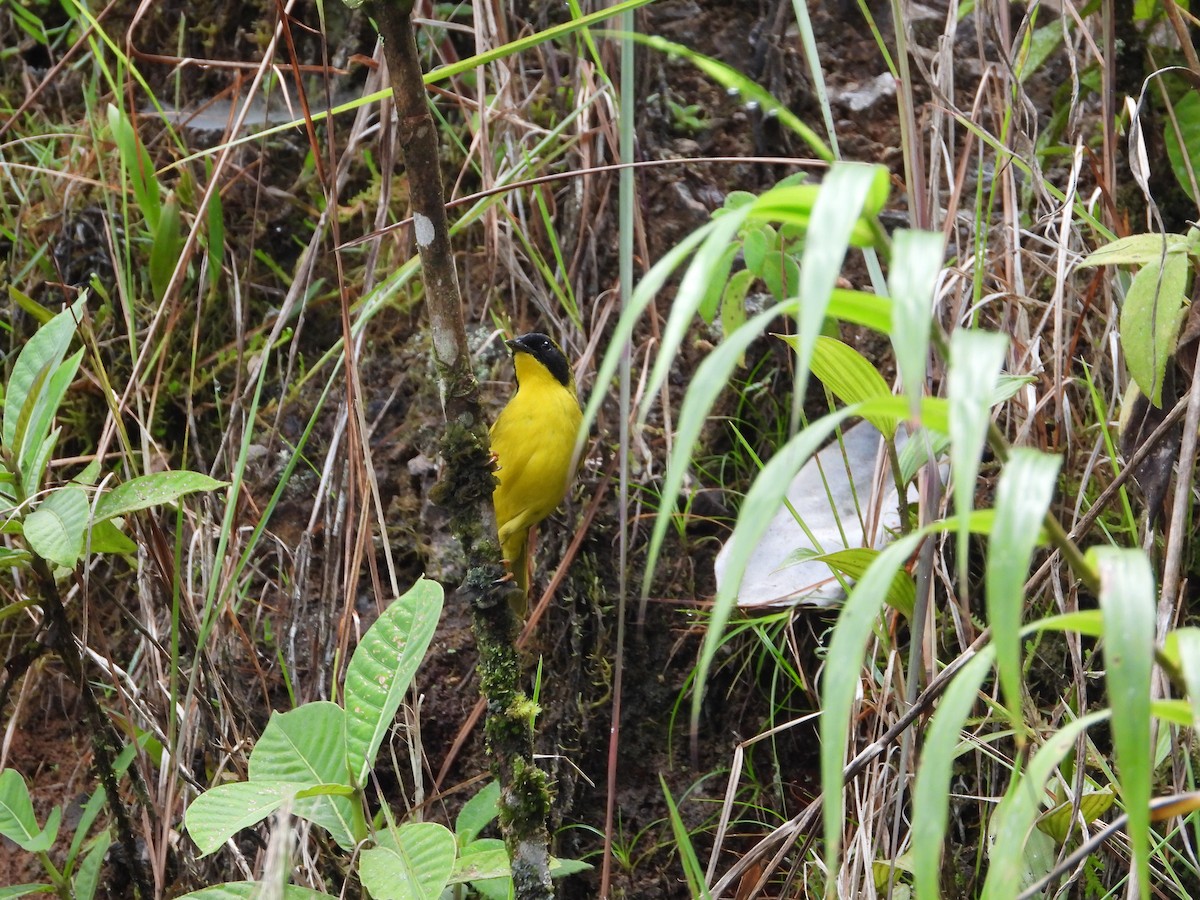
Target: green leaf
{"type": "Point", "coordinates": [482, 860]}
{"type": "Point", "coordinates": [1022, 498]}
{"type": "Point", "coordinates": [975, 361]}
{"type": "Point", "coordinates": [715, 239]}
{"type": "Point", "coordinates": [850, 377]}
{"type": "Point", "coordinates": [477, 813]}
{"type": "Point", "coordinates": [34, 452]}
{"type": "Point", "coordinates": [916, 264]}
{"type": "Point", "coordinates": [1137, 250]}
{"type": "Point", "coordinates": [34, 309]}
{"type": "Point", "coordinates": [55, 530]}
{"type": "Point", "coordinates": [940, 749]}
{"type": "Point", "coordinates": [382, 669]}
{"type": "Point", "coordinates": [840, 679]}
{"type": "Point", "coordinates": [781, 274]}
{"type": "Point", "coordinates": [106, 537]}
{"type": "Point", "coordinates": [1127, 597]}
{"type": "Point", "coordinates": [222, 811]}
{"type": "Point", "coordinates": [138, 167]}
{"type": "Point", "coordinates": [1150, 321]}
{"type": "Point", "coordinates": [17, 821]}
{"type": "Point", "coordinates": [847, 193]}
{"type": "Point", "coordinates": [854, 562]}
{"type": "Point", "coordinates": [733, 302]}
{"type": "Point", "coordinates": [711, 300]}
{"type": "Point", "coordinates": [1059, 822]}
{"type": "Point", "coordinates": [87, 878]}
{"type": "Point", "coordinates": [692, 869]}
{"type": "Point", "coordinates": [25, 890]}
{"type": "Point", "coordinates": [164, 253]}
{"type": "Point", "coordinates": [305, 747]}
{"type": "Point", "coordinates": [860, 308]}
{"type": "Point", "coordinates": [758, 239]}
{"type": "Point", "coordinates": [414, 863]}
{"type": "Point", "coordinates": [154, 489]}
{"type": "Point", "coordinates": [41, 355]}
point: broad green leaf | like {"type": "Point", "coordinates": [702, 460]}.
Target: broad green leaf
{"type": "Point", "coordinates": [304, 747]}
{"type": "Point", "coordinates": [711, 301]}
{"type": "Point", "coordinates": [854, 562]}
{"type": "Point", "coordinates": [1150, 320]}
{"type": "Point", "coordinates": [34, 452]}
{"type": "Point", "coordinates": [33, 467]}
{"type": "Point", "coordinates": [916, 263]}
{"type": "Point", "coordinates": [42, 353]}
{"type": "Point", "coordinates": [1022, 498]}
{"type": "Point", "coordinates": [477, 813]}
{"type": "Point", "coordinates": [222, 811]}
{"type": "Point", "coordinates": [414, 863]}
{"type": "Point", "coordinates": [17, 821]}
{"type": "Point", "coordinates": [757, 239]}
{"type": "Point", "coordinates": [975, 361]}
{"type": "Point", "coordinates": [1183, 146]}
{"type": "Point", "coordinates": [860, 308]}
{"type": "Point", "coordinates": [150, 490]}
{"type": "Point", "coordinates": [733, 302]}
{"type": "Point", "coordinates": [382, 669]}
{"type": "Point", "coordinates": [840, 680]}
{"type": "Point", "coordinates": [87, 878]}
{"type": "Point", "coordinates": [781, 274]}
{"type": "Point", "coordinates": [106, 537]}
{"type": "Point", "coordinates": [1058, 822]}
{"type": "Point", "coordinates": [55, 530]}
{"type": "Point", "coordinates": [1137, 250]}
{"type": "Point", "coordinates": [1037, 48]}
{"type": "Point", "coordinates": [482, 860]}
{"type": "Point", "coordinates": [940, 749]}
{"type": "Point", "coordinates": [850, 377]}
{"type": "Point", "coordinates": [1013, 819]}
{"type": "Point", "coordinates": [1127, 597]}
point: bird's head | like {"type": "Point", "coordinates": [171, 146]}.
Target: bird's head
{"type": "Point", "coordinates": [545, 351]}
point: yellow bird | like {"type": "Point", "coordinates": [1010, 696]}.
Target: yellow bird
{"type": "Point", "coordinates": [533, 439]}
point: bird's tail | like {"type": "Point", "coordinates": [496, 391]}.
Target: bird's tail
{"type": "Point", "coordinates": [516, 551]}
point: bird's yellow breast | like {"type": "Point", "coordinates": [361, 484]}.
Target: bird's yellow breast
{"type": "Point", "coordinates": [534, 440]}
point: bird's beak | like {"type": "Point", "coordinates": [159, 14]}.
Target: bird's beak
{"type": "Point", "coordinates": [511, 345]}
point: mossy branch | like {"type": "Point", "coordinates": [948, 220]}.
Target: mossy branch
{"type": "Point", "coordinates": [467, 487]}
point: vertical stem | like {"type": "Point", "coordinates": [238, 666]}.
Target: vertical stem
{"type": "Point", "coordinates": [466, 489]}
